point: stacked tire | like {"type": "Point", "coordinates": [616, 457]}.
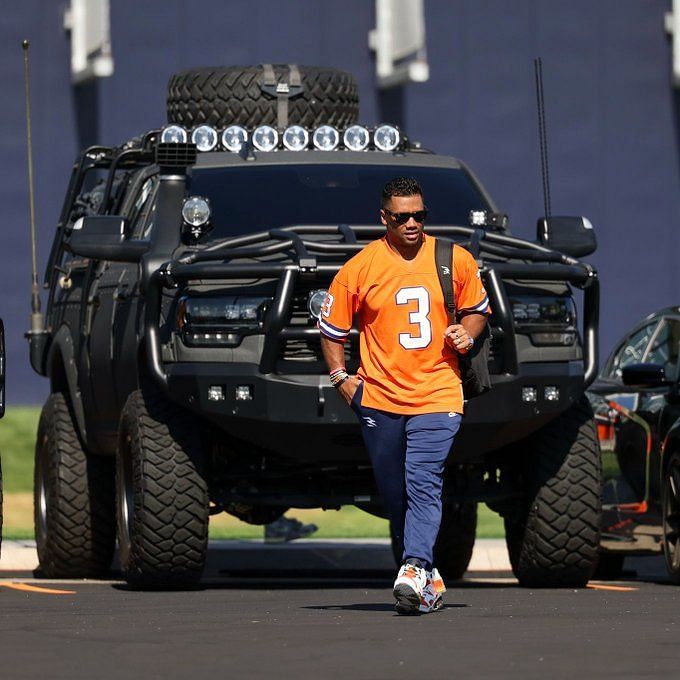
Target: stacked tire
{"type": "Point", "coordinates": [234, 95]}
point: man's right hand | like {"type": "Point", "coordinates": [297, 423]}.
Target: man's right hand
{"type": "Point", "coordinates": [348, 388]}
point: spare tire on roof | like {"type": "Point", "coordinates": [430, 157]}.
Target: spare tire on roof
{"type": "Point", "coordinates": [273, 94]}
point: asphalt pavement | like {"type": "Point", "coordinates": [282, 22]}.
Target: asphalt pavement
{"type": "Point", "coordinates": [294, 617]}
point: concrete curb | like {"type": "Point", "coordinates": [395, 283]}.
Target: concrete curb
{"type": "Point", "coordinates": [490, 554]}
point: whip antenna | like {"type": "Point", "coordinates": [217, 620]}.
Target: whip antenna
{"type": "Point", "coordinates": [36, 314]}
{"type": "Point", "coordinates": [542, 135]}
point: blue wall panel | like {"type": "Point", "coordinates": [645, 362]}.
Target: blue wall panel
{"type": "Point", "coordinates": [611, 111]}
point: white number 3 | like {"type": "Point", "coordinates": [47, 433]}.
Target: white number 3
{"type": "Point", "coordinates": [419, 317]}
{"type": "Point", "coordinates": [327, 304]}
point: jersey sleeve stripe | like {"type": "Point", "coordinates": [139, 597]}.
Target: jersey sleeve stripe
{"type": "Point", "coordinates": [331, 327]}
{"type": "Point", "coordinates": [481, 307]}
{"type": "Point", "coordinates": [331, 332]}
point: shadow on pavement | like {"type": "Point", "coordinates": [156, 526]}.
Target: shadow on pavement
{"type": "Point", "coordinates": [363, 607]}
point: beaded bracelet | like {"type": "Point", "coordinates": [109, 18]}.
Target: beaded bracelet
{"type": "Point", "coordinates": [338, 376]}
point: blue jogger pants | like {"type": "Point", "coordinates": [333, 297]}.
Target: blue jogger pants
{"type": "Point", "coordinates": [408, 455]}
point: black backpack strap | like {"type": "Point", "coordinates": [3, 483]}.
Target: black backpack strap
{"type": "Point", "coordinates": [443, 254]}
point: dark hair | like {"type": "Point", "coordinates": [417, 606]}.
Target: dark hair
{"type": "Point", "coordinates": [400, 186]}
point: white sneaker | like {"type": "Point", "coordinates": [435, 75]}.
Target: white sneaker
{"type": "Point", "coordinates": [408, 589]}
{"type": "Point", "coordinates": [431, 598]}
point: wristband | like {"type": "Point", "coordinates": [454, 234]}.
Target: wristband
{"type": "Point", "coordinates": [338, 376]}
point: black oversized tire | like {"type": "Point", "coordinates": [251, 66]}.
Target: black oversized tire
{"type": "Point", "coordinates": [162, 494]}
{"type": "Point", "coordinates": [456, 540]}
{"type": "Point", "coordinates": [75, 520]}
{"type": "Point", "coordinates": [231, 95]}
{"type": "Point", "coordinates": [553, 542]}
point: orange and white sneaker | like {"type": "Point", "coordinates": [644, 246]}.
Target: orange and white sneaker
{"type": "Point", "coordinates": [431, 598]}
{"type": "Point", "coordinates": [408, 589]}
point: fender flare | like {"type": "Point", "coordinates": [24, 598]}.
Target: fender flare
{"type": "Point", "coordinates": [61, 357]}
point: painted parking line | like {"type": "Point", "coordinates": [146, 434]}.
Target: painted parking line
{"type": "Point", "coordinates": [617, 589]}
{"type": "Point", "coordinates": [35, 589]}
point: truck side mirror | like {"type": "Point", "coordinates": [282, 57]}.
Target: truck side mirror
{"type": "Point", "coordinates": [573, 236]}
{"type": "Point", "coordinates": [102, 237]}
{"type": "Point", "coordinates": [644, 375]}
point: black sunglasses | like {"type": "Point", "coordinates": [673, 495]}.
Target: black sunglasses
{"type": "Point", "coordinates": [402, 217]}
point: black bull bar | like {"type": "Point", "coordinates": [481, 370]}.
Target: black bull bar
{"type": "Point", "coordinates": [215, 263]}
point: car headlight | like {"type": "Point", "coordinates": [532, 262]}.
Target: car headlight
{"type": "Point", "coordinates": [549, 320]}
{"type": "Point", "coordinates": [220, 320]}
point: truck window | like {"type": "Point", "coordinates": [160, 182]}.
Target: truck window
{"type": "Point", "coordinates": [260, 198]}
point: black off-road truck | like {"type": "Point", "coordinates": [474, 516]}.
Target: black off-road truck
{"type": "Point", "coordinates": [186, 274]}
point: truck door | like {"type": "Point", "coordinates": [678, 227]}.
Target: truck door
{"type": "Point", "coordinates": [112, 288]}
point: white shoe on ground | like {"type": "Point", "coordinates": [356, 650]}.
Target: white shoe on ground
{"type": "Point", "coordinates": [431, 598]}
{"type": "Point", "coordinates": [408, 589]}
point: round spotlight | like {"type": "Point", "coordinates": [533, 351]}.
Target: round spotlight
{"type": "Point", "coordinates": [295, 138]}
{"type": "Point", "coordinates": [315, 302]}
{"type": "Point", "coordinates": [326, 138]}
{"type": "Point", "coordinates": [234, 137]}
{"type": "Point", "coordinates": [173, 134]}
{"type": "Point", "coordinates": [356, 138]}
{"type": "Point", "coordinates": [386, 138]}
{"type": "Point", "coordinates": [204, 137]}
{"type": "Point", "coordinates": [265, 138]}
{"type": "Point", "coordinates": [196, 211]}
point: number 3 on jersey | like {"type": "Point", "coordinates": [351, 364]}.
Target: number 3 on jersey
{"type": "Point", "coordinates": [418, 317]}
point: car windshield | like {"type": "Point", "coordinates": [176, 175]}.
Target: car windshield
{"type": "Point", "coordinates": [254, 199]}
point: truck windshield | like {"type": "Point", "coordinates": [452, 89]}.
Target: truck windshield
{"type": "Point", "coordinates": [246, 200]}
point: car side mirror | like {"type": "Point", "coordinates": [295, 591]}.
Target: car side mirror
{"type": "Point", "coordinates": [102, 237]}
{"type": "Point", "coordinates": [644, 375]}
{"type": "Point", "coordinates": [573, 236]}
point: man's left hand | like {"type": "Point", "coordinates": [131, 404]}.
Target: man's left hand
{"type": "Point", "coordinates": [458, 338]}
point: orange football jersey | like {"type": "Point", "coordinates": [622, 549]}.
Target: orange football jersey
{"type": "Point", "coordinates": [406, 365]}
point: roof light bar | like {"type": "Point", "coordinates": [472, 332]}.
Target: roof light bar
{"type": "Point", "coordinates": [293, 138]}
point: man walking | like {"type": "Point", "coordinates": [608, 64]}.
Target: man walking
{"type": "Point", "coordinates": [407, 394]}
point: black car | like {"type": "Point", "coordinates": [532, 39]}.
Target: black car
{"type": "Point", "coordinates": [186, 276]}
{"type": "Point", "coordinates": [637, 407]}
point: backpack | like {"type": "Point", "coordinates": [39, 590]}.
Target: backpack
{"type": "Point", "coordinates": [474, 365]}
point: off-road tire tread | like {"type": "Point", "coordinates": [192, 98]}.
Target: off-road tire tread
{"type": "Point", "coordinates": [80, 535]}
{"type": "Point", "coordinates": [456, 540]}
{"type": "Point", "coordinates": [222, 96]}
{"type": "Point", "coordinates": [169, 526]}
{"type": "Point", "coordinates": [557, 544]}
